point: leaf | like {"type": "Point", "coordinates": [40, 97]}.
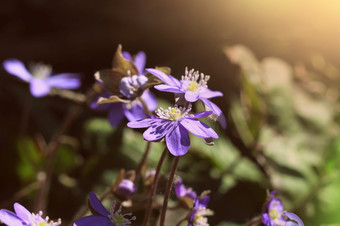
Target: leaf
{"type": "Point", "coordinates": [110, 78]}
{"type": "Point", "coordinates": [111, 99]}
{"type": "Point", "coordinates": [121, 64]}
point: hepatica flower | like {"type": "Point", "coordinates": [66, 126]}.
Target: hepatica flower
{"type": "Point", "coordinates": [275, 215]}
{"type": "Point", "coordinates": [173, 124]}
{"type": "Point", "coordinates": [103, 217]}
{"type": "Point", "coordinates": [184, 193]}
{"type": "Point", "coordinates": [200, 211]}
{"type": "Point", "coordinates": [22, 217]}
{"type": "Point", "coordinates": [125, 189]}
{"type": "Point", "coordinates": [130, 87]}
{"type": "Point", "coordinates": [193, 86]}
{"type": "Point", "coordinates": [40, 77]}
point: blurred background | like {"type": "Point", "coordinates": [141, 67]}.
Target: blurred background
{"type": "Point", "coordinates": [280, 85]}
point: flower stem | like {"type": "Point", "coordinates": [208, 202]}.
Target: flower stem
{"type": "Point", "coordinates": [154, 188]}
{"type": "Point", "coordinates": [168, 189]}
{"type": "Point", "coordinates": [254, 221]}
{"type": "Point", "coordinates": [142, 161]}
{"type": "Point", "coordinates": [145, 107]}
{"type": "Point", "coordinates": [52, 148]}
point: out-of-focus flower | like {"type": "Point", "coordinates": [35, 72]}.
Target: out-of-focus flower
{"type": "Point", "coordinates": [200, 211]}
{"type": "Point", "coordinates": [125, 189]}
{"type": "Point", "coordinates": [173, 124]}
{"type": "Point", "coordinates": [23, 217]}
{"type": "Point", "coordinates": [193, 86]}
{"type": "Point", "coordinates": [103, 217]}
{"type": "Point", "coordinates": [149, 177]}
{"type": "Point", "coordinates": [275, 215]}
{"type": "Point", "coordinates": [184, 193]}
{"type": "Point", "coordinates": [126, 87]}
{"type": "Point", "coordinates": [40, 77]}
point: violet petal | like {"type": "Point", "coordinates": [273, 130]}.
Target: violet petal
{"type": "Point", "coordinates": [9, 218]}
{"type": "Point", "coordinates": [221, 118]}
{"type": "Point", "coordinates": [64, 81]}
{"type": "Point", "coordinates": [22, 212]}
{"type": "Point", "coordinates": [191, 96]}
{"type": "Point", "coordinates": [134, 112]}
{"type": "Point", "coordinates": [116, 114]}
{"type": "Point", "coordinates": [97, 205]}
{"type": "Point", "coordinates": [207, 93]}
{"type": "Point", "coordinates": [202, 114]}
{"type": "Point", "coordinates": [162, 76]}
{"type": "Point", "coordinates": [168, 88]}
{"type": "Point", "coordinates": [139, 61]}
{"type": "Point", "coordinates": [293, 216]}
{"type": "Point", "coordinates": [93, 220]}
{"type": "Point", "coordinates": [198, 128]}
{"type": "Point", "coordinates": [150, 100]}
{"type": "Point", "coordinates": [178, 141]}
{"type": "Point", "coordinates": [143, 123]}
{"type": "Point", "coordinates": [158, 130]}
{"type": "Point", "coordinates": [39, 87]}
{"type": "Point", "coordinates": [127, 55]}
{"type": "Point", "coordinates": [18, 69]}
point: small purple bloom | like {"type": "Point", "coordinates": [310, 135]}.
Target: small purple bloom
{"type": "Point", "coordinates": [130, 87]}
{"type": "Point", "coordinates": [40, 78]}
{"type": "Point", "coordinates": [193, 86]}
{"type": "Point", "coordinates": [23, 217]}
{"type": "Point", "coordinates": [183, 191]}
{"type": "Point", "coordinates": [125, 189]}
{"type": "Point", "coordinates": [103, 217]}
{"type": "Point", "coordinates": [200, 211]}
{"type": "Point", "coordinates": [173, 124]}
{"type": "Point", "coordinates": [275, 215]}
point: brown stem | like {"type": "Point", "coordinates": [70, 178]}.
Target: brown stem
{"type": "Point", "coordinates": [254, 221]}
{"type": "Point", "coordinates": [154, 188]}
{"type": "Point", "coordinates": [168, 189]}
{"type": "Point", "coordinates": [142, 161]}
{"type": "Point", "coordinates": [145, 107]}
{"type": "Point", "coordinates": [45, 181]}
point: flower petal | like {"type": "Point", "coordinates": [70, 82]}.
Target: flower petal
{"type": "Point", "coordinates": [134, 111]}
{"type": "Point", "coordinates": [22, 212]}
{"type": "Point", "coordinates": [39, 87]}
{"type": "Point", "coordinates": [143, 123]}
{"type": "Point", "coordinates": [139, 61]}
{"type": "Point", "coordinates": [198, 128]}
{"type": "Point", "coordinates": [168, 88]}
{"type": "Point", "coordinates": [9, 218]}
{"type": "Point", "coordinates": [207, 93]}
{"type": "Point", "coordinates": [93, 220]}
{"type": "Point", "coordinates": [158, 130]}
{"type": "Point", "coordinates": [97, 205]}
{"type": "Point", "coordinates": [202, 114]}
{"type": "Point", "coordinates": [294, 217]}
{"type": "Point", "coordinates": [164, 77]}
{"type": "Point", "coordinates": [191, 96]}
{"type": "Point", "coordinates": [178, 141]}
{"type": "Point", "coordinates": [266, 219]}
{"type": "Point", "coordinates": [64, 81]}
{"type": "Point", "coordinates": [127, 55]}
{"type": "Point", "coordinates": [102, 107]}
{"type": "Point", "coordinates": [17, 68]}
{"type": "Point", "coordinates": [150, 100]}
{"type": "Point", "coordinates": [116, 113]}
{"type": "Point", "coordinates": [220, 116]}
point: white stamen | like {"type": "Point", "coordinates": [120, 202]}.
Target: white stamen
{"type": "Point", "coordinates": [173, 113]}
{"type": "Point", "coordinates": [193, 80]}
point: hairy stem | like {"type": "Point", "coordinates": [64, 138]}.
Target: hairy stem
{"type": "Point", "coordinates": [168, 189]}
{"type": "Point", "coordinates": [142, 161]}
{"type": "Point", "coordinates": [154, 188]}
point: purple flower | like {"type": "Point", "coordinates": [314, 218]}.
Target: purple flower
{"type": "Point", "coordinates": [184, 193]}
{"type": "Point", "coordinates": [130, 87]}
{"type": "Point", "coordinates": [200, 211]}
{"type": "Point", "coordinates": [23, 217]}
{"type": "Point", "coordinates": [173, 124]}
{"type": "Point", "coordinates": [275, 215]}
{"type": "Point", "coordinates": [40, 78]}
{"type": "Point", "coordinates": [193, 86]}
{"type": "Point", "coordinates": [103, 217]}
{"type": "Point", "coordinates": [125, 189]}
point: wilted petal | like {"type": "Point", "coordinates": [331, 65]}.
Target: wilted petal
{"type": "Point", "coordinates": [164, 77]}
{"type": "Point", "coordinates": [191, 96]}
{"type": "Point", "coordinates": [39, 87]}
{"type": "Point", "coordinates": [134, 112]}
{"type": "Point", "coordinates": [150, 100]}
{"type": "Point", "coordinates": [139, 61]}
{"type": "Point", "coordinates": [17, 68]}
{"type": "Point", "coordinates": [143, 123]}
{"type": "Point", "coordinates": [207, 93]}
{"type": "Point", "coordinates": [102, 107]}
{"type": "Point", "coordinates": [168, 88]}
{"type": "Point", "coordinates": [93, 220]}
{"type": "Point", "coordinates": [22, 212]}
{"type": "Point", "coordinates": [158, 130]}
{"type": "Point", "coordinates": [64, 81]}
{"type": "Point", "coordinates": [178, 141]}
{"type": "Point", "coordinates": [294, 217]}
{"type": "Point", "coordinates": [198, 128]}
{"type": "Point", "coordinates": [9, 218]}
{"type": "Point", "coordinates": [97, 205]}
{"type": "Point", "coordinates": [116, 113]}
